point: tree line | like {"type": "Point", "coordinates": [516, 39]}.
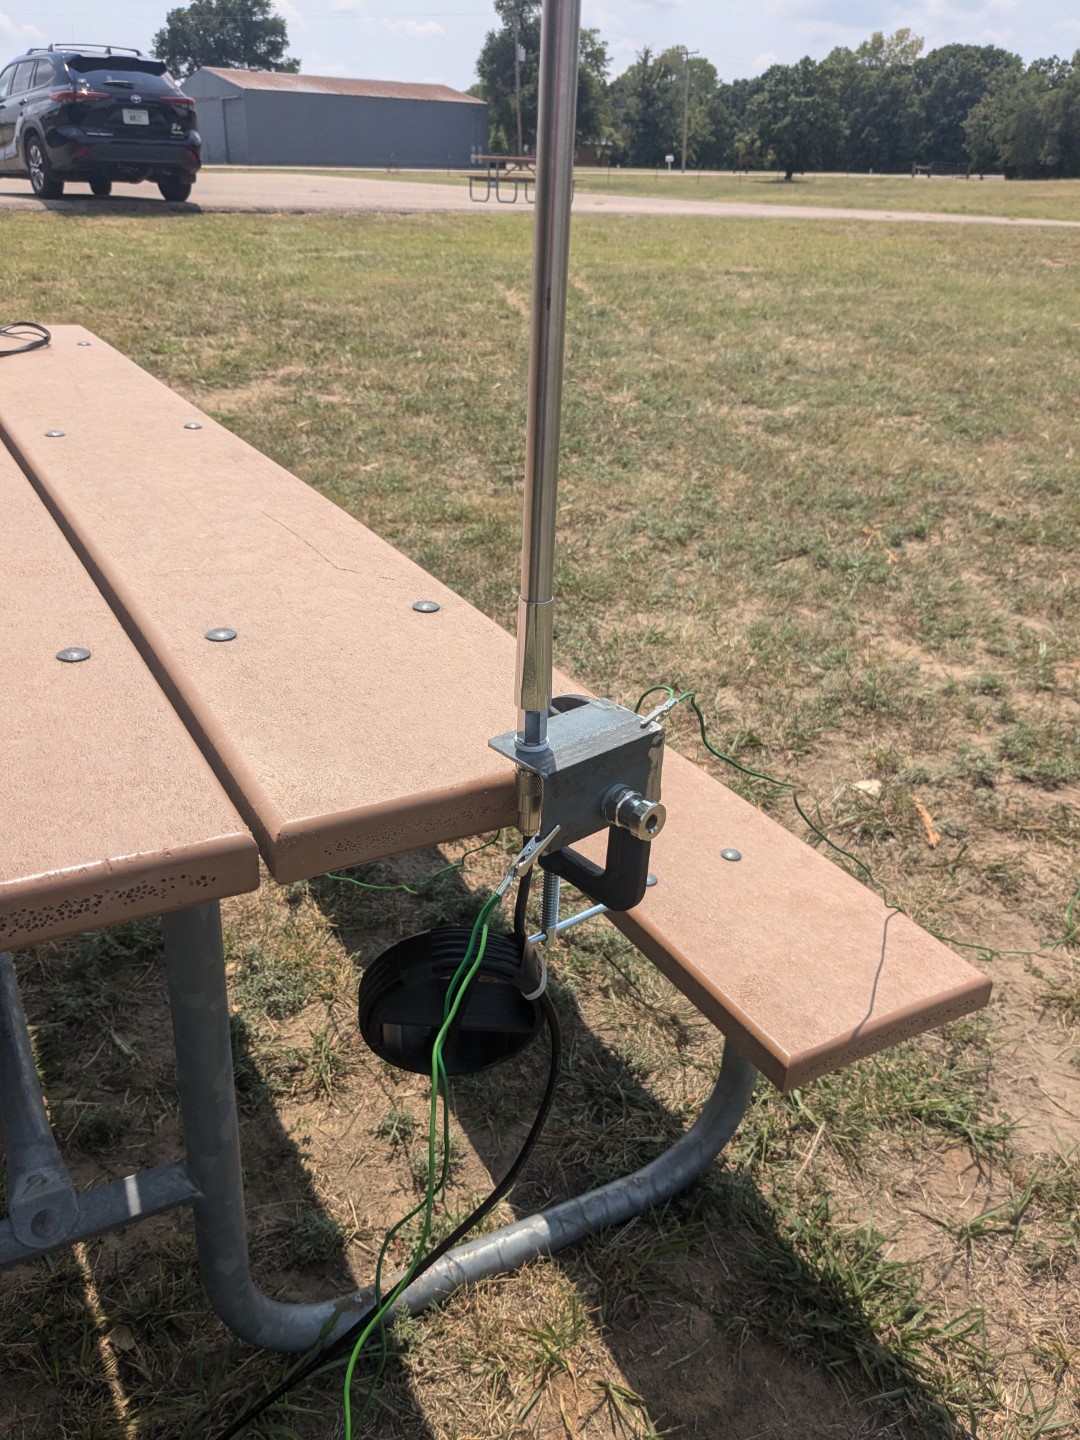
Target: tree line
{"type": "Point", "coordinates": [884, 106]}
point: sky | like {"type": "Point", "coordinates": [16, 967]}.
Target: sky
{"type": "Point", "coordinates": [437, 41]}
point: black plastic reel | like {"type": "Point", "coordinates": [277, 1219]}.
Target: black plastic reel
{"type": "Point", "coordinates": [403, 993]}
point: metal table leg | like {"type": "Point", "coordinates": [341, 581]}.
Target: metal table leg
{"type": "Point", "coordinates": [196, 971]}
{"type": "Point", "coordinates": [44, 1210]}
{"type": "Point", "coordinates": [195, 964]}
{"type": "Point", "coordinates": [42, 1204]}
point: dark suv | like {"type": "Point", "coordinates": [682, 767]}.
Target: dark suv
{"type": "Point", "coordinates": [96, 113]}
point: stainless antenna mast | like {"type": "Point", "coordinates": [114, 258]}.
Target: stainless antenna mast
{"type": "Point", "coordinates": [581, 765]}
{"type": "Point", "coordinates": [560, 25]}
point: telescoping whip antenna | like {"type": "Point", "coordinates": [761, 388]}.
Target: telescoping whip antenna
{"type": "Point", "coordinates": [583, 765]}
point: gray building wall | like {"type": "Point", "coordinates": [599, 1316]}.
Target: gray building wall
{"type": "Point", "coordinates": [222, 124]}
{"type": "Point", "coordinates": [280, 127]}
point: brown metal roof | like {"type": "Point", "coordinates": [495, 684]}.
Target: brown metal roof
{"type": "Point", "coordinates": [337, 85]}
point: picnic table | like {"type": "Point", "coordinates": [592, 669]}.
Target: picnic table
{"type": "Point", "coordinates": [223, 663]}
{"type": "Point", "coordinates": [502, 173]}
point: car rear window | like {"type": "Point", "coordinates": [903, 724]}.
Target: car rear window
{"type": "Point", "coordinates": [124, 76]}
{"type": "Point", "coordinates": [121, 67]}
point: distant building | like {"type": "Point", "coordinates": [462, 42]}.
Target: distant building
{"type": "Point", "coordinates": [262, 117]}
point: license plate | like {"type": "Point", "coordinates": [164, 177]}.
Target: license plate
{"type": "Point", "coordinates": [136, 117]}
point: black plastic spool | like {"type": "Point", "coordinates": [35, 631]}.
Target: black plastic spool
{"type": "Point", "coordinates": [403, 993]}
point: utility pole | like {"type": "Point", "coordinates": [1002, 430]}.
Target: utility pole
{"type": "Point", "coordinates": [686, 101]}
{"type": "Point", "coordinates": [517, 79]}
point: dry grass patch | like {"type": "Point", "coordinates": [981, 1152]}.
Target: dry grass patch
{"type": "Point", "coordinates": [826, 477]}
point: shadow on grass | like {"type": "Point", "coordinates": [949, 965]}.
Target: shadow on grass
{"type": "Point", "coordinates": [116, 1338]}
{"type": "Point", "coordinates": [726, 1311]}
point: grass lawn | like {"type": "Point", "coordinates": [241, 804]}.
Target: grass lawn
{"type": "Point", "coordinates": [827, 477]}
{"type": "Point", "coordinates": [1049, 200]}
{"type": "Point", "coordinates": [1036, 199]}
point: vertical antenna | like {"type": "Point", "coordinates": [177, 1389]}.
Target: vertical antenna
{"type": "Point", "coordinates": [560, 25]}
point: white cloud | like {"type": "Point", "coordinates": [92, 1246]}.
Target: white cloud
{"type": "Point", "coordinates": [289, 13]}
{"type": "Point", "coordinates": [968, 12]}
{"type": "Point", "coordinates": [792, 7]}
{"type": "Point", "coordinates": [412, 30]}
{"type": "Point", "coordinates": [10, 31]}
{"type": "Point", "coordinates": [764, 60]}
{"type": "Point", "coordinates": [316, 65]}
{"type": "Point", "coordinates": [1069, 25]}
{"type": "Point", "coordinates": [400, 29]}
{"type": "Point", "coordinates": [822, 35]}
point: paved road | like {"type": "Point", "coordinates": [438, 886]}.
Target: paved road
{"type": "Point", "coordinates": [275, 191]}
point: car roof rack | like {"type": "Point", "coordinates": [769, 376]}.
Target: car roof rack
{"type": "Point", "coordinates": [81, 49]}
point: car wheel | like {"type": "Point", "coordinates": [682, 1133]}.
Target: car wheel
{"type": "Point", "coordinates": [175, 189]}
{"type": "Point", "coordinates": [44, 186]}
{"type": "Point", "coordinates": [101, 188]}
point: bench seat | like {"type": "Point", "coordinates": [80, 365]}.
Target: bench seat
{"type": "Point", "coordinates": [108, 812]}
{"type": "Point", "coordinates": [347, 726]}
{"type": "Point", "coordinates": [801, 965]}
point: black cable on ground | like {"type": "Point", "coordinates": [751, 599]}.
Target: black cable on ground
{"type": "Point", "coordinates": [27, 334]}
{"type": "Point", "coordinates": [344, 1343]}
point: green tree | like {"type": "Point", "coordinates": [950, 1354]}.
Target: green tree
{"type": "Point", "coordinates": [878, 98]}
{"type": "Point", "coordinates": [646, 102]}
{"type": "Point", "coordinates": [593, 105]}
{"type": "Point", "coordinates": [796, 118]}
{"type": "Point", "coordinates": [697, 91]}
{"type": "Point", "coordinates": [1028, 122]}
{"type": "Point", "coordinates": [498, 82]}
{"type": "Point", "coordinates": [951, 83]}
{"type": "Point", "coordinates": [900, 49]}
{"type": "Point", "coordinates": [233, 34]}
{"type": "Point", "coordinates": [513, 14]}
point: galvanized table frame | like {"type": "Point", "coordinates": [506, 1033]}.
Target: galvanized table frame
{"type": "Point", "coordinates": [46, 1213]}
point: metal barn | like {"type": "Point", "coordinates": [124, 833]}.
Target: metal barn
{"type": "Point", "coordinates": [261, 117]}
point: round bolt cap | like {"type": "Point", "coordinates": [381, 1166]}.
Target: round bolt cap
{"type": "Point", "coordinates": [426, 607]}
{"type": "Point", "coordinates": [192, 425]}
{"type": "Point", "coordinates": [73, 654]}
{"type": "Point", "coordinates": [83, 344]}
{"type": "Point", "coordinates": [53, 434]}
{"type": "Point", "coordinates": [45, 1223]}
{"type": "Point", "coordinates": [731, 854]}
{"type": "Point", "coordinates": [221, 632]}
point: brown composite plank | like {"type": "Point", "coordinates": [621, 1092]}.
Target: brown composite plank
{"type": "Point", "coordinates": [349, 727]}
{"type": "Point", "coordinates": [804, 967]}
{"type": "Point", "coordinates": [342, 722]}
{"type": "Point", "coordinates": [108, 812]}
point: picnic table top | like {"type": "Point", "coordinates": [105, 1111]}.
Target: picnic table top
{"type": "Point", "coordinates": [506, 162]}
{"type": "Point", "coordinates": [108, 812]}
{"type": "Point", "coordinates": [345, 725]}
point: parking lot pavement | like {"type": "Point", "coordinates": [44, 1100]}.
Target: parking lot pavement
{"type": "Point", "coordinates": [269, 191]}
{"type": "Point", "coordinates": [282, 191]}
